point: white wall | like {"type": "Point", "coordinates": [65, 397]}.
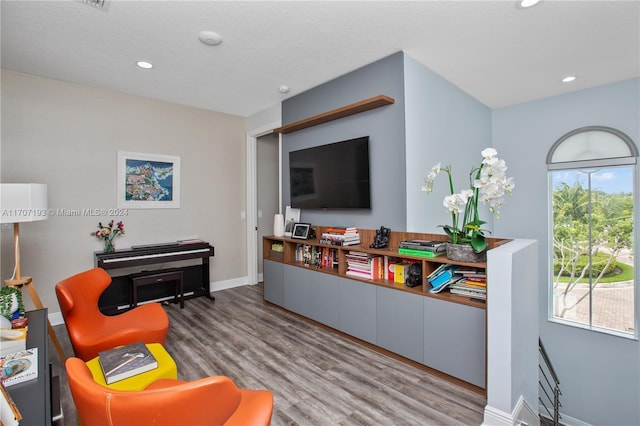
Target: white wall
{"type": "Point", "coordinates": [512, 332]}
{"type": "Point", "coordinates": [68, 136]}
{"type": "Point", "coordinates": [444, 125]}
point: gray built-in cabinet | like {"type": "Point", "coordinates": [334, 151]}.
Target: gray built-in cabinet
{"type": "Point", "coordinates": [442, 331]}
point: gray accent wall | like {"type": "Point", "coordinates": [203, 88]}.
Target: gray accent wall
{"type": "Point", "coordinates": [599, 373]}
{"type": "Point", "coordinates": [384, 126]}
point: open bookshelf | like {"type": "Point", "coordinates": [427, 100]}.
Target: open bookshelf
{"type": "Point", "coordinates": [442, 332]}
{"type": "Point", "coordinates": [290, 247]}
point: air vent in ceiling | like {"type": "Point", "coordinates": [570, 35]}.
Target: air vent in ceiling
{"type": "Point", "coordinates": [98, 4]}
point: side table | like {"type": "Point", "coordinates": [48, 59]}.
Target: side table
{"type": "Point", "coordinates": [167, 369]}
{"type": "Point", "coordinates": [33, 397]}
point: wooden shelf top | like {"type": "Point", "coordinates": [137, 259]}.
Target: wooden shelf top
{"type": "Point", "coordinates": [345, 111]}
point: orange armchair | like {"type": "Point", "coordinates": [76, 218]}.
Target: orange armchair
{"type": "Point", "coordinates": [213, 400]}
{"type": "Point", "coordinates": [90, 331]}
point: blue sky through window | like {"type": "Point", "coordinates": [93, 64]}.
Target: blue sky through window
{"type": "Point", "coordinates": [610, 180]}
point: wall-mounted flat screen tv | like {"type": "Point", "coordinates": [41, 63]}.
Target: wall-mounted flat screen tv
{"type": "Point", "coordinates": [331, 176]}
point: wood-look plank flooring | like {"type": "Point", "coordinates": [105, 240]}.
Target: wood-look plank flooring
{"type": "Point", "coordinates": [317, 376]}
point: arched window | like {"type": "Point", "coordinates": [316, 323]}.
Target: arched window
{"type": "Point", "coordinates": [592, 199]}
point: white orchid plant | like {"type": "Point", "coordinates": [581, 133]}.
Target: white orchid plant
{"type": "Point", "coordinates": [488, 185]}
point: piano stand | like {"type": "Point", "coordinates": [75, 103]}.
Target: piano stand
{"type": "Point", "coordinates": [195, 277]}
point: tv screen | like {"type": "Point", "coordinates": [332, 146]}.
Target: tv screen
{"type": "Point", "coordinates": [332, 176]}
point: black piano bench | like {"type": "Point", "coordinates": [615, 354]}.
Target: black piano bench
{"type": "Point", "coordinates": [156, 277]}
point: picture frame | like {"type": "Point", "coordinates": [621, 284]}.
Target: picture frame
{"type": "Point", "coordinates": [300, 231]}
{"type": "Point", "coordinates": [291, 217]}
{"type": "Point", "coordinates": [148, 181]}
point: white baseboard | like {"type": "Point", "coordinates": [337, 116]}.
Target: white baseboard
{"type": "Point", "coordinates": [227, 284]}
{"type": "Point", "coordinates": [56, 318]}
{"type": "Point", "coordinates": [522, 414]}
{"type": "Point", "coordinates": [495, 417]}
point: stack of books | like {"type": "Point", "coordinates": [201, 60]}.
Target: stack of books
{"type": "Point", "coordinates": [320, 257]}
{"type": "Point", "coordinates": [472, 283]}
{"type": "Point", "coordinates": [340, 236]}
{"type": "Point", "coordinates": [422, 248]}
{"type": "Point", "coordinates": [443, 276]}
{"type": "Point", "coordinates": [365, 265]}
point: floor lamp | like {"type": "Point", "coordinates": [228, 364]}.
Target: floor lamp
{"type": "Point", "coordinates": [25, 202]}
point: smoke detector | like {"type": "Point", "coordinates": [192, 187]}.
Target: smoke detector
{"type": "Point", "coordinates": [210, 38]}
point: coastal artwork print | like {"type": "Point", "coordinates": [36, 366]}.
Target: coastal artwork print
{"type": "Point", "coordinates": [148, 180]}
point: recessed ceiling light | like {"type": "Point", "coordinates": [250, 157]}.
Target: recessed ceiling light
{"type": "Point", "coordinates": [568, 79]}
{"type": "Point", "coordinates": [528, 3]}
{"type": "Point", "coordinates": [144, 64]}
{"type": "Point", "coordinates": [210, 38]}
{"type": "Point", "coordinates": [283, 89]}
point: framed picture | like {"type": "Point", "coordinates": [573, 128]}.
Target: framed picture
{"type": "Point", "coordinates": [300, 231]}
{"type": "Point", "coordinates": [291, 217]}
{"type": "Point", "coordinates": [148, 181]}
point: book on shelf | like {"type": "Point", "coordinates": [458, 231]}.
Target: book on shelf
{"type": "Point", "coordinates": [466, 292]}
{"type": "Point", "coordinates": [474, 295]}
{"type": "Point", "coordinates": [339, 240]}
{"type": "Point", "coordinates": [390, 267]}
{"type": "Point", "coordinates": [340, 237]}
{"type": "Point", "coordinates": [341, 230]}
{"type": "Point", "coordinates": [400, 272]}
{"type": "Point", "coordinates": [434, 246]}
{"type": "Point", "coordinates": [12, 340]}
{"type": "Point", "coordinates": [437, 270]}
{"type": "Point", "coordinates": [419, 252]}
{"type": "Point", "coordinates": [473, 284]}
{"type": "Point", "coordinates": [19, 367]}
{"type": "Point", "coordinates": [126, 361]}
{"type": "Point", "coordinates": [369, 266]}
{"type": "Point", "coordinates": [444, 277]}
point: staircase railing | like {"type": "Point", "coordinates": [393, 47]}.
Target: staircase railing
{"type": "Point", "coordinates": [549, 392]}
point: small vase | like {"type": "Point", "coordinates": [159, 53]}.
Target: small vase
{"type": "Point", "coordinates": [278, 225]}
{"type": "Point", "coordinates": [465, 253]}
{"type": "Point", "coordinates": [109, 246]}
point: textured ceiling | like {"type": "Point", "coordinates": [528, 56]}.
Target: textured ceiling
{"type": "Point", "coordinates": [498, 53]}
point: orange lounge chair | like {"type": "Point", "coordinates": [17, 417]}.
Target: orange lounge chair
{"type": "Point", "coordinates": [214, 400]}
{"type": "Point", "coordinates": [90, 331]}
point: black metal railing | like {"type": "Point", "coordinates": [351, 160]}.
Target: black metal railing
{"type": "Point", "coordinates": [549, 387]}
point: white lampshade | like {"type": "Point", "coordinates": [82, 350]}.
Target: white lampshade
{"type": "Point", "coordinates": [23, 202]}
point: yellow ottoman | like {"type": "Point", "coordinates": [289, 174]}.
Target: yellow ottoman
{"type": "Point", "coordinates": [166, 370]}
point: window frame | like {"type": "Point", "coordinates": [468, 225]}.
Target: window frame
{"type": "Point", "coordinates": [578, 165]}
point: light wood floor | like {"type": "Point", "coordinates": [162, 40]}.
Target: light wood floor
{"type": "Point", "coordinates": [317, 376]}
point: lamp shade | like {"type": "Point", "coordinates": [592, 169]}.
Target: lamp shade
{"type": "Point", "coordinates": [23, 202]}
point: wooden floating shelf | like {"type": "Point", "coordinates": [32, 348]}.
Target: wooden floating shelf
{"type": "Point", "coordinates": [345, 111]}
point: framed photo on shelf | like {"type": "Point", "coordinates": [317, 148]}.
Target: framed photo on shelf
{"type": "Point", "coordinates": [291, 217]}
{"type": "Point", "coordinates": [148, 181]}
{"type": "Point", "coordinates": [300, 231]}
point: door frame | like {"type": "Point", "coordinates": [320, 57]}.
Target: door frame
{"type": "Point", "coordinates": [252, 195]}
